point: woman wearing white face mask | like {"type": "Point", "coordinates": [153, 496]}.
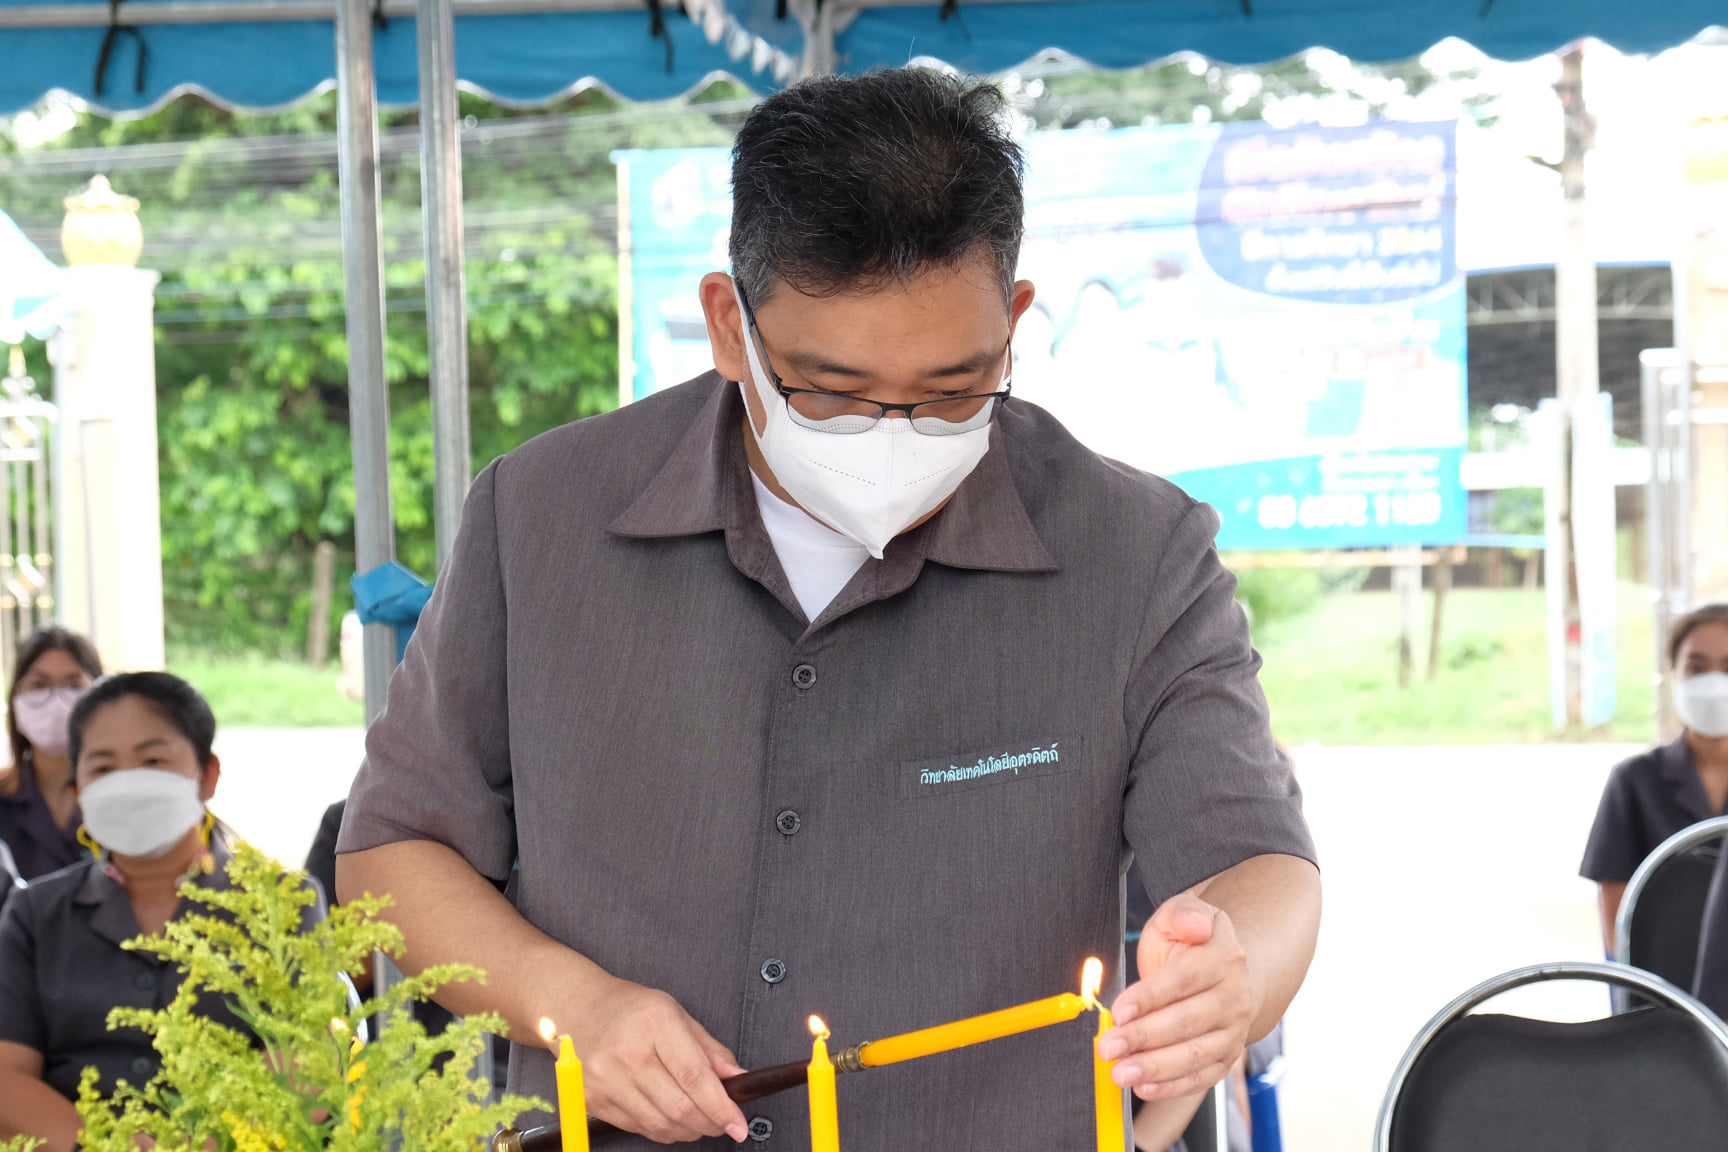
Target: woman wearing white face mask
{"type": "Point", "coordinates": [39, 814]}
{"type": "Point", "coordinates": [1656, 794]}
{"type": "Point", "coordinates": [141, 746]}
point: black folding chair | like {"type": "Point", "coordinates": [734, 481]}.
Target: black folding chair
{"type": "Point", "coordinates": [1662, 912]}
{"type": "Point", "coordinates": [1652, 1078]}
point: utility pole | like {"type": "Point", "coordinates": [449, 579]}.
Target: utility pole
{"type": "Point", "coordinates": [1576, 370]}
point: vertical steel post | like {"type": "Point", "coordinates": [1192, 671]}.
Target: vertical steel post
{"type": "Point", "coordinates": [363, 263]}
{"type": "Point", "coordinates": [446, 315]}
{"type": "Point", "coordinates": [1576, 370]}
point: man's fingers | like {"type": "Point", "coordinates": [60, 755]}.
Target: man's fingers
{"type": "Point", "coordinates": [720, 1057]}
{"type": "Point", "coordinates": [1180, 923]}
{"type": "Point", "coordinates": [1172, 1024]}
{"type": "Point", "coordinates": [1182, 1068]}
{"type": "Point", "coordinates": [1184, 918]}
{"type": "Point", "coordinates": [1183, 977]}
{"type": "Point", "coordinates": [705, 1104]}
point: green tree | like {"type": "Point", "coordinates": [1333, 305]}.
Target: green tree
{"type": "Point", "coordinates": [241, 216]}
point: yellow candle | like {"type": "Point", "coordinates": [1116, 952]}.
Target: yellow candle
{"type": "Point", "coordinates": [1107, 1095]}
{"type": "Point", "coordinates": [944, 1037]}
{"type": "Point", "coordinates": [572, 1100]}
{"type": "Point", "coordinates": [824, 1110]}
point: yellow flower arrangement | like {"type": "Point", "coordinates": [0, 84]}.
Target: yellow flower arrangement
{"type": "Point", "coordinates": [280, 1086]}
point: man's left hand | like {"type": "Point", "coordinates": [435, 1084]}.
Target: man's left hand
{"type": "Point", "coordinates": [1182, 1026]}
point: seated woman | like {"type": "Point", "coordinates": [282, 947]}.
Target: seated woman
{"type": "Point", "coordinates": [1657, 793]}
{"type": "Point", "coordinates": [141, 744]}
{"type": "Point", "coordinates": [38, 812]}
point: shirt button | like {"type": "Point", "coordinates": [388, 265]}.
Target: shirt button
{"type": "Point", "coordinates": [761, 1128]}
{"type": "Point", "coordinates": [788, 822]}
{"type": "Point", "coordinates": [142, 1067]}
{"type": "Point", "coordinates": [804, 677]}
{"type": "Point", "coordinates": [773, 971]}
{"type": "Point", "coordinates": [145, 980]}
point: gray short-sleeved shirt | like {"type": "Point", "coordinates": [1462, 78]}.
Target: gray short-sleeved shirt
{"type": "Point", "coordinates": [62, 971]}
{"type": "Point", "coordinates": [1647, 799]}
{"type": "Point", "coordinates": [916, 808]}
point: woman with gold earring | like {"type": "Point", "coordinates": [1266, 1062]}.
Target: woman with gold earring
{"type": "Point", "coordinates": [140, 745]}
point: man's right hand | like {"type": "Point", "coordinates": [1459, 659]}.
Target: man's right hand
{"type": "Point", "coordinates": [649, 1068]}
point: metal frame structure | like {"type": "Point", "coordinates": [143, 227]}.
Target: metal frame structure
{"type": "Point", "coordinates": [1618, 975]}
{"type": "Point", "coordinates": [1667, 402]}
{"type": "Point", "coordinates": [1526, 295]}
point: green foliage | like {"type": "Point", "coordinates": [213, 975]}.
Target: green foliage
{"type": "Point", "coordinates": [21, 1144]}
{"type": "Point", "coordinates": [240, 215]}
{"type": "Point", "coordinates": [1273, 594]}
{"type": "Point", "coordinates": [313, 1086]}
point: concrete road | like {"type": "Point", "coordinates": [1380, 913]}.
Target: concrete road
{"type": "Point", "coordinates": [276, 783]}
{"type": "Point", "coordinates": [1443, 866]}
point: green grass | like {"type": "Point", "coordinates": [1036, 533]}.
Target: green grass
{"type": "Point", "coordinates": [254, 692]}
{"type": "Point", "coordinates": [1331, 675]}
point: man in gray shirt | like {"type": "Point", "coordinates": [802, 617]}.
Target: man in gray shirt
{"type": "Point", "coordinates": [737, 787]}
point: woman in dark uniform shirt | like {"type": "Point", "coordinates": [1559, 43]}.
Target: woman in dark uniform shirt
{"type": "Point", "coordinates": [142, 746]}
{"type": "Point", "coordinates": [38, 813]}
{"type": "Point", "coordinates": [1657, 793]}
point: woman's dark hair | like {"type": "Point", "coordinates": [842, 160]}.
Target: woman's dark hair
{"type": "Point", "coordinates": [1689, 623]}
{"type": "Point", "coordinates": [844, 183]}
{"type": "Point", "coordinates": [47, 638]}
{"type": "Point", "coordinates": [175, 700]}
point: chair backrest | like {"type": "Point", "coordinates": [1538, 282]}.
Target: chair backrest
{"type": "Point", "coordinates": [1655, 1078]}
{"type": "Point", "coordinates": [1663, 907]}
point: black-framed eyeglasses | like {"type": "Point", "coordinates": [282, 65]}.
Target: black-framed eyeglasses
{"type": "Point", "coordinates": [849, 415]}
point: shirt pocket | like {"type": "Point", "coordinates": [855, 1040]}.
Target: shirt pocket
{"type": "Point", "coordinates": [998, 765]}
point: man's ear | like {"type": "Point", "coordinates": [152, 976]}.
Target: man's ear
{"type": "Point", "coordinates": [725, 324]}
{"type": "Point", "coordinates": [1024, 293]}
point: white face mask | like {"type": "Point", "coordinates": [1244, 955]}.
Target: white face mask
{"type": "Point", "coordinates": [868, 486]}
{"type": "Point", "coordinates": [141, 812]}
{"type": "Point", "coordinates": [1702, 702]}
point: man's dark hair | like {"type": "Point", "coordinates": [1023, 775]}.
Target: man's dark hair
{"type": "Point", "coordinates": [174, 700]}
{"type": "Point", "coordinates": [842, 184]}
{"type": "Point", "coordinates": [1687, 624]}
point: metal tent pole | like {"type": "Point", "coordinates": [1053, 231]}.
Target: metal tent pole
{"type": "Point", "coordinates": [446, 319]}
{"type": "Point", "coordinates": [363, 262]}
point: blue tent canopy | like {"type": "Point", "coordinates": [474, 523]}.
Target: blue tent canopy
{"type": "Point", "coordinates": [518, 57]}
{"type": "Point", "coordinates": [265, 60]}
{"type": "Point", "coordinates": [990, 37]}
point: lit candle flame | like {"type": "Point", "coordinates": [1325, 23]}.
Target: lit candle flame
{"type": "Point", "coordinates": [547, 1029]}
{"type": "Point", "coordinates": [817, 1028]}
{"type": "Point", "coordinates": [1091, 979]}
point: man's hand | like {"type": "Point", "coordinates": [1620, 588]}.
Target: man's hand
{"type": "Point", "coordinates": [649, 1068]}
{"type": "Point", "coordinates": [1185, 1023]}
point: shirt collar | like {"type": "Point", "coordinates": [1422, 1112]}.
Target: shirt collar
{"type": "Point", "coordinates": [114, 919]}
{"type": "Point", "coordinates": [1680, 769]}
{"type": "Point", "coordinates": [704, 486]}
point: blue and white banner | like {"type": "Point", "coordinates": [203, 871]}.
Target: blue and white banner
{"type": "Point", "coordinates": [1272, 319]}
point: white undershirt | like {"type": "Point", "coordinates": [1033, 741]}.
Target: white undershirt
{"type": "Point", "coordinates": [817, 560]}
